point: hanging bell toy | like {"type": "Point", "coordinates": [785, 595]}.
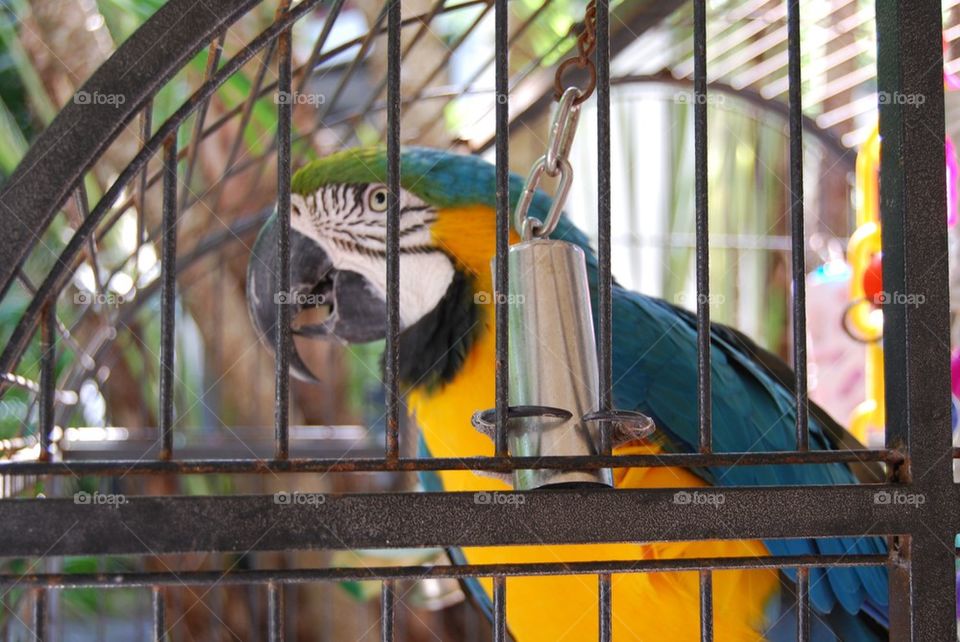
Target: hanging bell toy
{"type": "Point", "coordinates": [554, 388]}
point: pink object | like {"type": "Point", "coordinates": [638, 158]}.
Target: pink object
{"type": "Point", "coordinates": [950, 81]}
{"type": "Point", "coordinates": [834, 360]}
{"type": "Point", "coordinates": [953, 176]}
{"type": "Point", "coordinates": [955, 372]}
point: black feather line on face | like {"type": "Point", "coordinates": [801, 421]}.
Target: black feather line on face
{"type": "Point", "coordinates": [434, 348]}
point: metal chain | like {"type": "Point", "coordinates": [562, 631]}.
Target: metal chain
{"type": "Point", "coordinates": [586, 43]}
{"type": "Point", "coordinates": [554, 162]}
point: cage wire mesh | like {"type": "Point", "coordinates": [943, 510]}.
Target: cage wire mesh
{"type": "Point", "coordinates": [143, 443]}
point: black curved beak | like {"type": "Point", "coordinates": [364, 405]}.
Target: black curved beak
{"type": "Point", "coordinates": [357, 313]}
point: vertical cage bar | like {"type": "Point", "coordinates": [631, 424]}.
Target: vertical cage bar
{"type": "Point", "coordinates": [916, 329]}
{"type": "Point", "coordinates": [606, 607]}
{"type": "Point", "coordinates": [605, 589]}
{"type": "Point", "coordinates": [706, 605]}
{"type": "Point", "coordinates": [48, 377]}
{"type": "Point", "coordinates": [392, 354]}
{"type": "Point", "coordinates": [900, 588]}
{"type": "Point", "coordinates": [499, 609]}
{"type": "Point", "coordinates": [40, 615]}
{"type": "Point", "coordinates": [281, 416]}
{"type": "Point", "coordinates": [502, 53]}
{"type": "Point", "coordinates": [275, 609]}
{"type": "Point", "coordinates": [703, 232]}
{"type": "Point", "coordinates": [168, 302]}
{"type": "Point", "coordinates": [159, 614]}
{"type": "Point", "coordinates": [798, 244]}
{"type": "Point", "coordinates": [388, 599]}
{"type": "Point", "coordinates": [603, 215]}
{"type": "Point", "coordinates": [803, 604]}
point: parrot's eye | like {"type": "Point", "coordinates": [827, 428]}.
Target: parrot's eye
{"type": "Point", "coordinates": [377, 199]}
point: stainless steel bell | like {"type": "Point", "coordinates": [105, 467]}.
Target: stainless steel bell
{"type": "Point", "coordinates": [552, 361]}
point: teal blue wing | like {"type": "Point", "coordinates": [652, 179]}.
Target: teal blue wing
{"type": "Point", "coordinates": [654, 371]}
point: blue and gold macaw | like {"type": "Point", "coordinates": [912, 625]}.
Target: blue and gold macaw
{"type": "Point", "coordinates": [447, 240]}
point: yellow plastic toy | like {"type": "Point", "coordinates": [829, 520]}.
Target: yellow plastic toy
{"type": "Point", "coordinates": [867, 421]}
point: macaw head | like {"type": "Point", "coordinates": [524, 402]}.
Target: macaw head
{"type": "Point", "coordinates": [338, 242]}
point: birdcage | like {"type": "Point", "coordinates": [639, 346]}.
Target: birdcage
{"type": "Point", "coordinates": [112, 496]}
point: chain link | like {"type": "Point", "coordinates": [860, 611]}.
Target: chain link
{"type": "Point", "coordinates": [554, 164]}
{"type": "Point", "coordinates": [586, 43]}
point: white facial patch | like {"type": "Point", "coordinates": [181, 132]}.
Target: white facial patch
{"type": "Point", "coordinates": [349, 223]}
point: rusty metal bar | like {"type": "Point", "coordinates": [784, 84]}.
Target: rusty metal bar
{"type": "Point", "coordinates": [499, 609]}
{"type": "Point", "coordinates": [437, 519]}
{"type": "Point", "coordinates": [168, 296]}
{"type": "Point", "coordinates": [388, 600]}
{"type": "Point", "coordinates": [160, 609]}
{"type": "Point", "coordinates": [701, 179]}
{"type": "Point", "coordinates": [284, 339]}
{"type": "Point", "coordinates": [391, 356]}
{"type": "Point", "coordinates": [48, 379]}
{"type": "Point", "coordinates": [803, 604]}
{"type": "Point", "coordinates": [605, 280]}
{"type": "Point", "coordinates": [799, 268]}
{"type": "Point", "coordinates": [916, 314]}
{"type": "Point", "coordinates": [345, 574]}
{"type": "Point", "coordinates": [706, 605]}
{"type": "Point", "coordinates": [39, 618]}
{"type": "Point", "coordinates": [275, 612]}
{"type": "Point", "coordinates": [499, 464]}
{"type": "Point", "coordinates": [501, 276]}
{"type": "Point", "coordinates": [605, 590]}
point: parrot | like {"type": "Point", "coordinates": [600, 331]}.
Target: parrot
{"type": "Point", "coordinates": [447, 239]}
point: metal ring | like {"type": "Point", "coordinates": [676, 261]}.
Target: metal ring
{"type": "Point", "coordinates": [526, 197]}
{"type": "Point", "coordinates": [559, 199]}
{"type": "Point", "coordinates": [562, 130]}
{"type": "Point", "coordinates": [530, 228]}
{"type": "Point", "coordinates": [591, 79]}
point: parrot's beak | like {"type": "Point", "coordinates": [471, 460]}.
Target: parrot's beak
{"type": "Point", "coordinates": [357, 314]}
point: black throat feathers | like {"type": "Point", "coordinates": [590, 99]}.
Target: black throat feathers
{"type": "Point", "coordinates": [434, 348]}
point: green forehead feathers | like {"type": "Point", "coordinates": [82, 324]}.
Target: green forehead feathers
{"type": "Point", "coordinates": [436, 177]}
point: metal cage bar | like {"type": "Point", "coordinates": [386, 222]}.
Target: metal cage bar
{"type": "Point", "coordinates": [275, 612]}
{"type": "Point", "coordinates": [500, 609]}
{"type": "Point", "coordinates": [388, 601]}
{"type": "Point", "coordinates": [48, 379]}
{"type": "Point", "coordinates": [159, 605]}
{"type": "Point", "coordinates": [392, 352]}
{"type": "Point", "coordinates": [701, 178]}
{"type": "Point", "coordinates": [284, 336]}
{"type": "Point", "coordinates": [168, 302]}
{"type": "Point", "coordinates": [158, 580]}
{"type": "Point", "coordinates": [803, 604]}
{"type": "Point", "coordinates": [504, 217]}
{"type": "Point", "coordinates": [605, 294]}
{"type": "Point", "coordinates": [912, 203]}
{"type": "Point", "coordinates": [798, 245]}
{"type": "Point", "coordinates": [706, 605]}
